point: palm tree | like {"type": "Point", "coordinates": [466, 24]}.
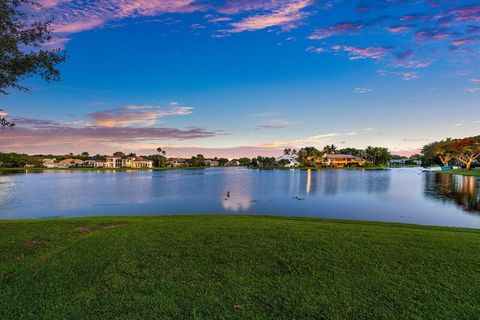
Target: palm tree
{"type": "Point", "coordinates": [329, 149]}
{"type": "Point", "coordinates": [309, 156]}
{"type": "Point", "coordinates": [287, 151]}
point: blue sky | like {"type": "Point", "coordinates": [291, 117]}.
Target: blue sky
{"type": "Point", "coordinates": [250, 77]}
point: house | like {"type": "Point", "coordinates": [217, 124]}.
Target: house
{"type": "Point", "coordinates": [233, 163]}
{"type": "Point", "coordinates": [177, 162]}
{"type": "Point", "coordinates": [288, 161]}
{"type": "Point", "coordinates": [403, 162]}
{"type": "Point", "coordinates": [141, 163]}
{"type": "Point", "coordinates": [99, 164]}
{"type": "Point", "coordinates": [343, 160]}
{"type": "Point", "coordinates": [50, 163]}
{"type": "Point", "coordinates": [89, 163]}
{"type": "Point", "coordinates": [70, 163]}
{"type": "Point", "coordinates": [129, 162]}
{"type": "Point", "coordinates": [211, 163]}
{"type": "Point", "coordinates": [115, 162]}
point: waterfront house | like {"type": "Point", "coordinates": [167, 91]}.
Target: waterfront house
{"type": "Point", "coordinates": [129, 162]}
{"type": "Point", "coordinates": [211, 163]}
{"type": "Point", "coordinates": [141, 163]}
{"type": "Point", "coordinates": [50, 163]}
{"type": "Point", "coordinates": [343, 160]}
{"type": "Point", "coordinates": [288, 161]}
{"type": "Point", "coordinates": [115, 162]}
{"type": "Point", "coordinates": [70, 163]}
{"type": "Point", "coordinates": [177, 162]}
{"type": "Point", "coordinates": [233, 163]}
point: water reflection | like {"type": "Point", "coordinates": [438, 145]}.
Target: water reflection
{"type": "Point", "coordinates": [463, 191]}
{"type": "Point", "coordinates": [398, 195]}
{"type": "Point", "coordinates": [309, 180]}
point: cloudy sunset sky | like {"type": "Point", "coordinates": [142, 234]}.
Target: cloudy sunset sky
{"type": "Point", "coordinates": [247, 78]}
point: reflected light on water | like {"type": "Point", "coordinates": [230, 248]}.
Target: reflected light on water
{"type": "Point", "coordinates": [462, 190]}
{"type": "Point", "coordinates": [237, 202]}
{"type": "Point", "coordinates": [309, 180]}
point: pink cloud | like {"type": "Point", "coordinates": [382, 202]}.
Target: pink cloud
{"type": "Point", "coordinates": [135, 115]}
{"type": "Point", "coordinates": [46, 136]}
{"type": "Point", "coordinates": [77, 26]}
{"type": "Point", "coordinates": [399, 29]}
{"type": "Point", "coordinates": [287, 17]}
{"type": "Point", "coordinates": [409, 75]}
{"type": "Point", "coordinates": [71, 18]}
{"type": "Point", "coordinates": [472, 89]}
{"type": "Point", "coordinates": [469, 13]}
{"type": "Point", "coordinates": [475, 80]}
{"type": "Point", "coordinates": [235, 6]}
{"type": "Point", "coordinates": [357, 53]}
{"type": "Point", "coordinates": [315, 49]}
{"type": "Point", "coordinates": [465, 41]}
{"type": "Point", "coordinates": [433, 35]}
{"type": "Point", "coordinates": [413, 64]}
{"type": "Point", "coordinates": [340, 28]}
{"type": "Point", "coordinates": [51, 3]}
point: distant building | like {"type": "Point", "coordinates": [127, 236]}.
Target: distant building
{"type": "Point", "coordinates": [343, 160]}
{"type": "Point", "coordinates": [70, 163]}
{"type": "Point", "coordinates": [130, 162]}
{"type": "Point", "coordinates": [50, 163]}
{"type": "Point", "coordinates": [141, 163]}
{"type": "Point", "coordinates": [211, 163]}
{"type": "Point", "coordinates": [233, 163]}
{"type": "Point", "coordinates": [403, 162]}
{"type": "Point", "coordinates": [115, 162]}
{"type": "Point", "coordinates": [288, 161]}
{"type": "Point", "coordinates": [177, 162]}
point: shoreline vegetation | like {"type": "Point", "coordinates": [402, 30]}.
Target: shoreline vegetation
{"type": "Point", "coordinates": [212, 267]}
{"type": "Point", "coordinates": [461, 172]}
{"type": "Point", "coordinates": [192, 168]}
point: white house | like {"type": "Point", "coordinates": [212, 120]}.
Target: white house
{"type": "Point", "coordinates": [292, 160]}
{"type": "Point", "coordinates": [50, 163]}
{"type": "Point", "coordinates": [130, 162]}
{"type": "Point", "coordinates": [177, 162]}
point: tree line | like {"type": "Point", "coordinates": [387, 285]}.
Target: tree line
{"type": "Point", "coordinates": [313, 157]}
{"type": "Point", "coordinates": [448, 151]}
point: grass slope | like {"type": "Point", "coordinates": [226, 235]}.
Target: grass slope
{"type": "Point", "coordinates": [461, 172]}
{"type": "Point", "coordinates": [236, 267]}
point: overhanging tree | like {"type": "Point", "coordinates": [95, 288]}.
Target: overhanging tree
{"type": "Point", "coordinates": [466, 150]}
{"type": "Point", "coordinates": [23, 51]}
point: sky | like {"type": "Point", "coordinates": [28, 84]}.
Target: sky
{"type": "Point", "coordinates": [238, 78]}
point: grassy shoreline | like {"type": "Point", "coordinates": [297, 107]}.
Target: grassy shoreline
{"type": "Point", "coordinates": [99, 169]}
{"type": "Point", "coordinates": [461, 172]}
{"type": "Point", "coordinates": [236, 267]}
{"type": "Point", "coordinates": [187, 168]}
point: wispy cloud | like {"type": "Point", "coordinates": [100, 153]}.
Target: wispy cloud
{"type": "Point", "coordinates": [408, 75]}
{"type": "Point", "coordinates": [336, 29]}
{"type": "Point", "coordinates": [132, 115]}
{"type": "Point", "coordinates": [362, 90]}
{"type": "Point", "coordinates": [472, 89]}
{"type": "Point", "coordinates": [317, 140]}
{"type": "Point", "coordinates": [287, 17]}
{"type": "Point", "coordinates": [274, 124]}
{"type": "Point", "coordinates": [126, 127]}
{"type": "Point", "coordinates": [356, 53]}
{"type": "Point", "coordinates": [459, 124]}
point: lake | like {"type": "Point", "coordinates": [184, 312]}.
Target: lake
{"type": "Point", "coordinates": [396, 195]}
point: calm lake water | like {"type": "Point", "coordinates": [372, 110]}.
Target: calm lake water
{"type": "Point", "coordinates": [399, 195]}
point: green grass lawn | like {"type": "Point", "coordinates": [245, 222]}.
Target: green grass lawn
{"type": "Point", "coordinates": [475, 173]}
{"type": "Point", "coordinates": [236, 267]}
